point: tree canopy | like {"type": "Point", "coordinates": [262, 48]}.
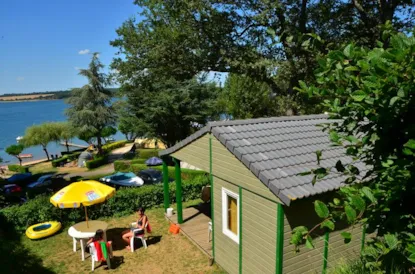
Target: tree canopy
{"type": "Point", "coordinates": [65, 131]}
{"type": "Point", "coordinates": [90, 106]}
{"type": "Point", "coordinates": [374, 95]}
{"type": "Point", "coordinates": [15, 150]}
{"type": "Point", "coordinates": [275, 42]}
{"type": "Point", "coordinates": [168, 109]}
{"type": "Point", "coordinates": [41, 135]}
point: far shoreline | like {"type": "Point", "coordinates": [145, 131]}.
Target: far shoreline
{"type": "Point", "coordinates": [27, 100]}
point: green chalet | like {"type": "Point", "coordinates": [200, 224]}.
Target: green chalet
{"type": "Point", "coordinates": [258, 197]}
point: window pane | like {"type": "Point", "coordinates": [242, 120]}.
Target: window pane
{"type": "Point", "coordinates": [232, 215]}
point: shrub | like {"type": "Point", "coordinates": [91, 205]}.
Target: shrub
{"type": "Point", "coordinates": [97, 162]}
{"type": "Point", "coordinates": [18, 168]}
{"type": "Point", "coordinates": [109, 147]}
{"type": "Point", "coordinates": [186, 173]}
{"type": "Point", "coordinates": [124, 202]}
{"type": "Point", "coordinates": [65, 158]}
{"type": "Point", "coordinates": [139, 161]}
{"type": "Point", "coordinates": [123, 166]}
{"type": "Point", "coordinates": [147, 153]}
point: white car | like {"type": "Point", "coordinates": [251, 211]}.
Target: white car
{"type": "Point", "coordinates": [123, 179]}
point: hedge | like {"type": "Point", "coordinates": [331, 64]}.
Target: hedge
{"type": "Point", "coordinates": [138, 161]}
{"type": "Point", "coordinates": [125, 202]}
{"type": "Point", "coordinates": [97, 162]}
{"type": "Point", "coordinates": [109, 147]}
{"type": "Point", "coordinates": [146, 153]}
{"type": "Point", "coordinates": [66, 158]}
{"type": "Point", "coordinates": [18, 168]}
{"type": "Point", "coordinates": [126, 166]}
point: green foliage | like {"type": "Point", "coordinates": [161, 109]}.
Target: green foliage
{"type": "Point", "coordinates": [109, 147]}
{"type": "Point", "coordinates": [128, 123]}
{"type": "Point", "coordinates": [90, 106]}
{"type": "Point", "coordinates": [148, 153]}
{"type": "Point", "coordinates": [372, 91]}
{"type": "Point", "coordinates": [18, 168]}
{"type": "Point", "coordinates": [42, 135]}
{"type": "Point", "coordinates": [128, 166]}
{"type": "Point", "coordinates": [168, 109]}
{"type": "Point", "coordinates": [97, 162]}
{"type": "Point", "coordinates": [65, 158]}
{"type": "Point", "coordinates": [15, 150]}
{"type": "Point", "coordinates": [65, 131]}
{"type": "Point", "coordinates": [124, 202]}
{"type": "Point", "coordinates": [272, 42]}
{"type": "Point", "coordinates": [139, 161]}
{"type": "Point", "coordinates": [108, 131]}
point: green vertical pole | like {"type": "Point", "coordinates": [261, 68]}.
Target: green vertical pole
{"type": "Point", "coordinates": [363, 239]}
{"type": "Point", "coordinates": [326, 252]}
{"type": "Point", "coordinates": [240, 230]}
{"type": "Point", "coordinates": [178, 175]}
{"type": "Point", "coordinates": [166, 186]}
{"type": "Point", "coordinates": [212, 215]}
{"type": "Point", "coordinates": [280, 239]}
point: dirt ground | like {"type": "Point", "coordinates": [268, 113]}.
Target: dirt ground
{"type": "Point", "coordinates": [24, 97]}
{"type": "Point", "coordinates": [166, 253]}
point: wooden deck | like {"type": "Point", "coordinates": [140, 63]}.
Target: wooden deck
{"type": "Point", "coordinates": [195, 226]}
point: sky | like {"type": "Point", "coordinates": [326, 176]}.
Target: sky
{"type": "Point", "coordinates": [44, 42]}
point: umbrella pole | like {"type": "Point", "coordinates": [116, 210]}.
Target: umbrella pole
{"type": "Point", "coordinates": [86, 216]}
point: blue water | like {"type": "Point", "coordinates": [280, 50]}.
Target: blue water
{"type": "Point", "coordinates": [15, 117]}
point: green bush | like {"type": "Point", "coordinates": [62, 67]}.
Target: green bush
{"type": "Point", "coordinates": [109, 147]}
{"type": "Point", "coordinates": [146, 153]}
{"type": "Point", "coordinates": [123, 166]}
{"type": "Point", "coordinates": [18, 168]}
{"type": "Point", "coordinates": [125, 202]}
{"type": "Point", "coordinates": [97, 162]}
{"type": "Point", "coordinates": [129, 166]}
{"type": "Point", "coordinates": [139, 161]}
{"type": "Point", "coordinates": [65, 158]}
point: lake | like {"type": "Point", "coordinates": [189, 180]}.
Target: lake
{"type": "Point", "coordinates": [15, 117]}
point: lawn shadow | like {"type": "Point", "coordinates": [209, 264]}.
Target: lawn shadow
{"type": "Point", "coordinates": [15, 257]}
{"type": "Point", "coordinates": [115, 235]}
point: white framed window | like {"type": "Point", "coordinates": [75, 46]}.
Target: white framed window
{"type": "Point", "coordinates": [230, 214]}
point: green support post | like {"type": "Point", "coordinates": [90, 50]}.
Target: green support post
{"type": "Point", "coordinates": [166, 186]}
{"type": "Point", "coordinates": [178, 175]}
{"type": "Point", "coordinates": [280, 239]}
{"type": "Point", "coordinates": [326, 252]}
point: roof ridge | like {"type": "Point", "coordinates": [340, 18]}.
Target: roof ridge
{"type": "Point", "coordinates": [212, 124]}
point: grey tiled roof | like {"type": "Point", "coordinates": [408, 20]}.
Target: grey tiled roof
{"type": "Point", "coordinates": [277, 149]}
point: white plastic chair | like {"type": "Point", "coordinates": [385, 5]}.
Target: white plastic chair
{"type": "Point", "coordinates": [93, 251]}
{"type": "Point", "coordinates": [141, 237]}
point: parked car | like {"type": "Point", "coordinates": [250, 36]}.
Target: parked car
{"type": "Point", "coordinates": [11, 188]}
{"type": "Point", "coordinates": [43, 181]}
{"type": "Point", "coordinates": [123, 179]}
{"type": "Point", "coordinates": [20, 177]}
{"type": "Point", "coordinates": [151, 176]}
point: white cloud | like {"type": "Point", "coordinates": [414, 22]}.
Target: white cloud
{"type": "Point", "coordinates": [84, 51]}
{"type": "Point", "coordinates": [20, 78]}
{"type": "Point", "coordinates": [77, 68]}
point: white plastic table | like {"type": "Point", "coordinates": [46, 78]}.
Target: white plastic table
{"type": "Point", "coordinates": [82, 232]}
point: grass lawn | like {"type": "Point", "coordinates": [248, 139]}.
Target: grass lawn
{"type": "Point", "coordinates": [166, 253]}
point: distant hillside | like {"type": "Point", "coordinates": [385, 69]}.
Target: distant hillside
{"type": "Point", "coordinates": [46, 95]}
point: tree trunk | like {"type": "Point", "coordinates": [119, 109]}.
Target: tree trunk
{"type": "Point", "coordinates": [46, 151]}
{"type": "Point", "coordinates": [99, 144]}
{"type": "Point", "coordinates": [67, 146]}
{"type": "Point", "coordinates": [20, 160]}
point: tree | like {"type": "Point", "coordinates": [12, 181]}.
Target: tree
{"type": "Point", "coordinates": [91, 108]}
{"type": "Point", "coordinates": [275, 42]}
{"type": "Point", "coordinates": [41, 135]}
{"type": "Point", "coordinates": [374, 93]}
{"type": "Point", "coordinates": [87, 136]}
{"type": "Point", "coordinates": [170, 110]}
{"type": "Point", "coordinates": [15, 150]}
{"type": "Point", "coordinates": [66, 132]}
{"type": "Point", "coordinates": [107, 132]}
{"type": "Point", "coordinates": [128, 122]}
